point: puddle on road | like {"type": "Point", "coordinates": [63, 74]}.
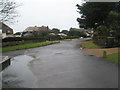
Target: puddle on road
{"type": "Point", "coordinates": [18, 73]}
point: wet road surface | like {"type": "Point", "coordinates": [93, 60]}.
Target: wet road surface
{"type": "Point", "coordinates": [60, 65]}
{"type": "Point", "coordinates": [18, 73]}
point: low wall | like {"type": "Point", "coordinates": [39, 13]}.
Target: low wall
{"type": "Point", "coordinates": [4, 63]}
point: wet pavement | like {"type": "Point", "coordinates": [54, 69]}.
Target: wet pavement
{"type": "Point", "coordinates": [60, 65]}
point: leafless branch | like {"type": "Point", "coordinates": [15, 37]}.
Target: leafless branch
{"type": "Point", "coordinates": [8, 10]}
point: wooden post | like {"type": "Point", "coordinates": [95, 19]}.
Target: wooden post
{"type": "Point", "coordinates": [104, 54]}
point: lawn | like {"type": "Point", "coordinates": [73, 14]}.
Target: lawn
{"type": "Point", "coordinates": [113, 58]}
{"type": "Point", "coordinates": [26, 46]}
{"type": "Point", "coordinates": [89, 44]}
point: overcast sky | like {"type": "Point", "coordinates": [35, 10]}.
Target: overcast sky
{"type": "Point", "coordinates": [60, 14]}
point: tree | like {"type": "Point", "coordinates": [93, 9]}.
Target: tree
{"type": "Point", "coordinates": [55, 30]}
{"type": "Point", "coordinates": [17, 33]}
{"type": "Point", "coordinates": [112, 19]}
{"type": "Point", "coordinates": [41, 33]}
{"type": "Point", "coordinates": [8, 10]}
{"type": "Point", "coordinates": [114, 25]}
{"type": "Point", "coordinates": [74, 32]}
{"type": "Point", "coordinates": [65, 31]}
{"type": "Point", "coordinates": [104, 18]}
{"type": "Point", "coordinates": [94, 14]}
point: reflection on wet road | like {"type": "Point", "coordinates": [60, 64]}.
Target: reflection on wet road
{"type": "Point", "coordinates": [61, 65]}
{"type": "Point", "coordinates": [18, 74]}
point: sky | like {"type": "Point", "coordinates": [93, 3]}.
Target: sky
{"type": "Point", "coordinates": [61, 14]}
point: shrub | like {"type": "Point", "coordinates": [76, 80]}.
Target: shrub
{"type": "Point", "coordinates": [102, 31]}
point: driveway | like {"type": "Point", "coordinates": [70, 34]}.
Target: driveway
{"type": "Point", "coordinates": [64, 65]}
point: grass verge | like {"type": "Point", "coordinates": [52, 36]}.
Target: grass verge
{"type": "Point", "coordinates": [26, 46]}
{"type": "Point", "coordinates": [89, 44]}
{"type": "Point", "coordinates": [114, 58]}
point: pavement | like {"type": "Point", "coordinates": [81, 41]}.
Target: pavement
{"type": "Point", "coordinates": [64, 65]}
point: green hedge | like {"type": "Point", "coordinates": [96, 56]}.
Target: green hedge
{"type": "Point", "coordinates": [12, 39]}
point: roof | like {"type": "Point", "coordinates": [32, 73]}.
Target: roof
{"type": "Point", "coordinates": [35, 28]}
{"type": "Point", "coordinates": [62, 34]}
{"type": "Point", "coordinates": [5, 28]}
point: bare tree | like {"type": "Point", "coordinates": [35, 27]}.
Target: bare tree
{"type": "Point", "coordinates": [8, 10]}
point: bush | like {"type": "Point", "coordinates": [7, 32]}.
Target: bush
{"type": "Point", "coordinates": [100, 40]}
{"type": "Point", "coordinates": [102, 31]}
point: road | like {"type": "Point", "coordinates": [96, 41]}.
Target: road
{"type": "Point", "coordinates": [63, 65]}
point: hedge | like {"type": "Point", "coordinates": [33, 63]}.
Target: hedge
{"type": "Point", "coordinates": [13, 39]}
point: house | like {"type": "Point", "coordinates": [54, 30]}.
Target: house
{"type": "Point", "coordinates": [30, 30]}
{"type": "Point", "coordinates": [6, 30]}
{"type": "Point", "coordinates": [62, 35]}
{"type": "Point", "coordinates": [18, 34]}
{"type": "Point", "coordinates": [89, 32]}
{"type": "Point", "coordinates": [52, 34]}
